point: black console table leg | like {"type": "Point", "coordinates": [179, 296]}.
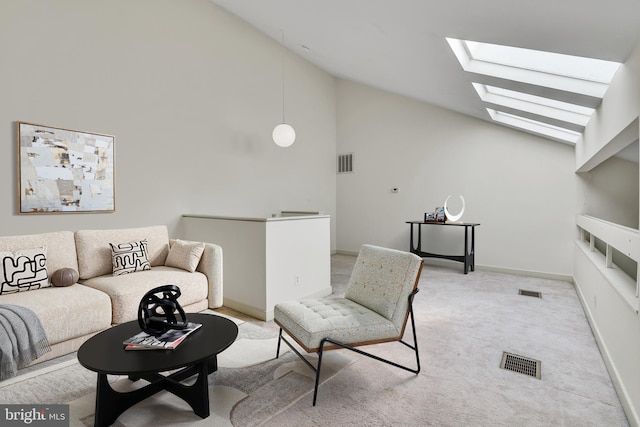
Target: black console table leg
{"type": "Point", "coordinates": [473, 249]}
{"type": "Point", "coordinates": [412, 247]}
{"type": "Point", "coordinates": [466, 250]}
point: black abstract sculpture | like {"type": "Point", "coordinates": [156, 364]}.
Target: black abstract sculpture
{"type": "Point", "coordinates": [157, 315]}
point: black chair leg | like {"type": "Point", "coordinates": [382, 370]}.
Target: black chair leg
{"type": "Point", "coordinates": [315, 369]}
{"type": "Point", "coordinates": [415, 337]}
{"type": "Point", "coordinates": [318, 367]}
{"type": "Point", "coordinates": [279, 340]}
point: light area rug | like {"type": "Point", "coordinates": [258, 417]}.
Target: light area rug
{"type": "Point", "coordinates": [249, 388]}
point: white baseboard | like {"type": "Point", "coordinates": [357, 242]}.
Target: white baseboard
{"type": "Point", "coordinates": [350, 253]}
{"type": "Point", "coordinates": [449, 263]}
{"type": "Point", "coordinates": [528, 273]}
{"type": "Point", "coordinates": [632, 416]}
{"type": "Point", "coordinates": [267, 315]}
{"type": "Point", "coordinates": [252, 311]}
{"type": "Point", "coordinates": [504, 270]}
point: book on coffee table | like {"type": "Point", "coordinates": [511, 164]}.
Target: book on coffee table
{"type": "Point", "coordinates": [167, 341]}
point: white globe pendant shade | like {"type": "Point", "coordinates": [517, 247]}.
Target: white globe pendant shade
{"type": "Point", "coordinates": [284, 135]}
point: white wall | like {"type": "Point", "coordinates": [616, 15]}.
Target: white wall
{"type": "Point", "coordinates": [191, 94]}
{"type": "Point", "coordinates": [620, 108]}
{"type": "Point", "coordinates": [614, 322]}
{"type": "Point", "coordinates": [268, 260]}
{"type": "Point", "coordinates": [520, 187]}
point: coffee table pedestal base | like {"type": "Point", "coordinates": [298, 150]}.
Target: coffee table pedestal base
{"type": "Point", "coordinates": [110, 404]}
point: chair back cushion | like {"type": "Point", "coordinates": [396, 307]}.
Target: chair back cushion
{"type": "Point", "coordinates": [382, 280]}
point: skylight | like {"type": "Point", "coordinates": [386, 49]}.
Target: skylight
{"type": "Point", "coordinates": [585, 76]}
{"type": "Point", "coordinates": [534, 104]}
{"type": "Point", "coordinates": [554, 132]}
{"type": "Point", "coordinates": [549, 87]}
{"type": "Point", "coordinates": [594, 70]}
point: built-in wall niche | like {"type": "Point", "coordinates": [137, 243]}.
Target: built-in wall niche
{"type": "Point", "coordinates": [610, 188]}
{"type": "Point", "coordinates": [610, 184]}
{"type": "Point", "coordinates": [630, 153]}
{"type": "Point", "coordinates": [620, 260]}
{"type": "Point", "coordinates": [614, 251]}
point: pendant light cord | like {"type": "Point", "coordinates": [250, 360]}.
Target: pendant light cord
{"type": "Point", "coordinates": [282, 31]}
{"type": "Point", "coordinates": [283, 134]}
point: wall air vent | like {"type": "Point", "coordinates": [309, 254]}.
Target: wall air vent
{"type": "Point", "coordinates": [345, 163]}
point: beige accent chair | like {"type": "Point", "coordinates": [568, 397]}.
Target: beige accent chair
{"type": "Point", "coordinates": [377, 303]}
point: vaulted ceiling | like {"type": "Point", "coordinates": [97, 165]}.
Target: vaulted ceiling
{"type": "Point", "coordinates": [401, 45]}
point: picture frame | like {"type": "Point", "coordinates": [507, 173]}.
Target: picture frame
{"type": "Point", "coordinates": [64, 170]}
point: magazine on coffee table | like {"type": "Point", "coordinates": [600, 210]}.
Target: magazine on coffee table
{"type": "Point", "coordinates": [167, 341]}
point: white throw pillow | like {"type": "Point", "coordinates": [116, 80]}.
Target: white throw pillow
{"type": "Point", "coordinates": [129, 257]}
{"type": "Point", "coordinates": [23, 270]}
{"type": "Point", "coordinates": [185, 255]}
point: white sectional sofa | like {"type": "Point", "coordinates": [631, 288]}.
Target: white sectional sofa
{"type": "Point", "coordinates": [100, 299]}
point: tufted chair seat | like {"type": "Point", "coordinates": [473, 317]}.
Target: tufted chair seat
{"type": "Point", "coordinates": [375, 309]}
{"type": "Point", "coordinates": [309, 321]}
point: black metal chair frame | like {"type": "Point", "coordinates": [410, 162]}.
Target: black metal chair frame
{"type": "Point", "coordinates": [348, 347]}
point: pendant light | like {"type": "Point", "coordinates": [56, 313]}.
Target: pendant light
{"type": "Point", "coordinates": [283, 134]}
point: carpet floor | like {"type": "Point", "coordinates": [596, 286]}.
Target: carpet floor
{"type": "Point", "coordinates": [249, 387]}
{"type": "Point", "coordinates": [464, 324]}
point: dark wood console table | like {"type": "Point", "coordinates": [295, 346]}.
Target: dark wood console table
{"type": "Point", "coordinates": [468, 259]}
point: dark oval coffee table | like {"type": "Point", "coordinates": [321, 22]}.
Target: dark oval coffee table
{"type": "Point", "coordinates": [104, 353]}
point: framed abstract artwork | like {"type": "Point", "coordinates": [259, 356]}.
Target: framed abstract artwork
{"type": "Point", "coordinates": [64, 170]}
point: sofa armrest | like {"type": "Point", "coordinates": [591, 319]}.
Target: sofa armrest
{"type": "Point", "coordinates": [211, 266]}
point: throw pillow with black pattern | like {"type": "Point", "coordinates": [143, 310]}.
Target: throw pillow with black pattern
{"type": "Point", "coordinates": [23, 270]}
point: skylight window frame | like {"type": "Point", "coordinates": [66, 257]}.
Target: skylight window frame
{"type": "Point", "coordinates": [534, 126]}
{"type": "Point", "coordinates": [599, 71]}
{"type": "Point", "coordinates": [553, 109]}
{"type": "Point", "coordinates": [524, 75]}
{"type": "Point", "coordinates": [549, 102]}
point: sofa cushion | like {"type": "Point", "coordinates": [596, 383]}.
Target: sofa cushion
{"type": "Point", "coordinates": [64, 243]}
{"type": "Point", "coordinates": [94, 252]}
{"type": "Point", "coordinates": [185, 255]}
{"type": "Point", "coordinates": [23, 270]}
{"type": "Point", "coordinates": [68, 312]}
{"type": "Point", "coordinates": [126, 291]}
{"type": "Point", "coordinates": [129, 257]}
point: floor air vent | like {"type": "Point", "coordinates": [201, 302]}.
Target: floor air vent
{"type": "Point", "coordinates": [534, 294]}
{"type": "Point", "coordinates": [521, 364]}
